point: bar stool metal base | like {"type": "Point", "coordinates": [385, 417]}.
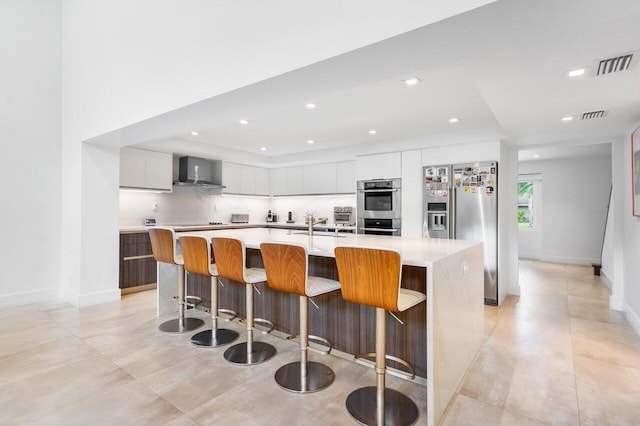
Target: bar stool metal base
{"type": "Point", "coordinates": [399, 409]}
{"type": "Point", "coordinates": [237, 354]}
{"type": "Point", "coordinates": [207, 339]}
{"type": "Point", "coordinates": [319, 377]}
{"type": "Point", "coordinates": [174, 326]}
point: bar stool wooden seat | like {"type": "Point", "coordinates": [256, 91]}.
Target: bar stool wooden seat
{"type": "Point", "coordinates": [286, 266]}
{"type": "Point", "coordinates": [230, 256]}
{"type": "Point", "coordinates": [196, 252]}
{"type": "Point", "coordinates": [163, 245]}
{"type": "Point", "coordinates": [371, 277]}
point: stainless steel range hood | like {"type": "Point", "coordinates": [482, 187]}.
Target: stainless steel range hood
{"type": "Point", "coordinates": [200, 172]}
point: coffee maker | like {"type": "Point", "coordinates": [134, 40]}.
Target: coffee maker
{"type": "Point", "coordinates": [272, 217]}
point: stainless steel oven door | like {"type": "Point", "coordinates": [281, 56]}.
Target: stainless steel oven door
{"type": "Point", "coordinates": [389, 227]}
{"type": "Point", "coordinates": [380, 199]}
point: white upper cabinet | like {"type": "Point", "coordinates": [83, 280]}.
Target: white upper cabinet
{"type": "Point", "coordinates": [379, 166]}
{"type": "Point", "coordinates": [231, 178]}
{"type": "Point", "coordinates": [145, 169]}
{"type": "Point", "coordinates": [245, 180]}
{"type": "Point", "coordinates": [320, 179]}
{"type": "Point", "coordinates": [295, 180]}
{"type": "Point", "coordinates": [159, 170]}
{"type": "Point", "coordinates": [279, 181]}
{"type": "Point", "coordinates": [262, 181]}
{"type": "Point", "coordinates": [346, 177]}
{"type": "Point", "coordinates": [326, 178]}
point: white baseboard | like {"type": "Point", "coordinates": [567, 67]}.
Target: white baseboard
{"type": "Point", "coordinates": [529, 256]}
{"type": "Point", "coordinates": [82, 300]}
{"type": "Point", "coordinates": [569, 260]}
{"type": "Point", "coordinates": [27, 297]}
{"type": "Point", "coordinates": [632, 317]}
{"type": "Point", "coordinates": [605, 278]}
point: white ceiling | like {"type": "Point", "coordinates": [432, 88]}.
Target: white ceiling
{"type": "Point", "coordinates": [502, 66]}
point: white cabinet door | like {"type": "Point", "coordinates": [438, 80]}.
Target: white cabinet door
{"type": "Point", "coordinates": [132, 168]}
{"type": "Point", "coordinates": [146, 169]}
{"type": "Point", "coordinates": [158, 170]}
{"type": "Point", "coordinates": [279, 181]}
{"type": "Point", "coordinates": [231, 178]}
{"type": "Point", "coordinates": [247, 180]}
{"type": "Point", "coordinates": [262, 181]}
{"type": "Point", "coordinates": [383, 166]}
{"type": "Point", "coordinates": [295, 180]}
{"type": "Point", "coordinates": [346, 177]}
{"type": "Point", "coordinates": [320, 178]}
{"type": "Point", "coordinates": [412, 183]}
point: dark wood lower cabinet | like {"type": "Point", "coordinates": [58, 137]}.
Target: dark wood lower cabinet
{"type": "Point", "coordinates": [349, 327]}
{"type": "Point", "coordinates": [137, 265]}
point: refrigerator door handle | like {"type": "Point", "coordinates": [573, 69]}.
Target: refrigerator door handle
{"type": "Point", "coordinates": [452, 214]}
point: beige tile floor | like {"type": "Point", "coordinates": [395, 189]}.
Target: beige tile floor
{"type": "Point", "coordinates": [555, 355]}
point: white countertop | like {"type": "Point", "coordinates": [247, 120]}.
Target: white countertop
{"type": "Point", "coordinates": [414, 251]}
{"type": "Point", "coordinates": [179, 228]}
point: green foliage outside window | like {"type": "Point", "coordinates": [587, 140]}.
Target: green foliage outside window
{"type": "Point", "coordinates": [525, 204]}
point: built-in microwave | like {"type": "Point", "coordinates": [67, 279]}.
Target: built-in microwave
{"type": "Point", "coordinates": [380, 200]}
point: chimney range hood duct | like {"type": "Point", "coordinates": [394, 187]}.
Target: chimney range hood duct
{"type": "Point", "coordinates": [200, 172]}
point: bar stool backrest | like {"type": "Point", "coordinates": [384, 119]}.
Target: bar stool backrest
{"type": "Point", "coordinates": [230, 258]}
{"type": "Point", "coordinates": [286, 267]}
{"type": "Point", "coordinates": [163, 244]}
{"type": "Point", "coordinates": [369, 276]}
{"type": "Point", "coordinates": [196, 252]}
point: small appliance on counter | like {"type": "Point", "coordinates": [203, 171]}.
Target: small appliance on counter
{"type": "Point", "coordinates": [240, 218]}
{"type": "Point", "coordinates": [290, 217]}
{"type": "Point", "coordinates": [272, 217]}
{"type": "Point", "coordinates": [343, 216]}
{"type": "Point", "coordinates": [149, 221]}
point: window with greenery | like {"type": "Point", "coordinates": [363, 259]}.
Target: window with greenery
{"type": "Point", "coordinates": [525, 204]}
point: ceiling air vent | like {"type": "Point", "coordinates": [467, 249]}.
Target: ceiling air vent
{"type": "Point", "coordinates": [592, 115]}
{"type": "Point", "coordinates": [615, 64]}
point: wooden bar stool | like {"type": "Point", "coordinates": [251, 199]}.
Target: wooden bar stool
{"type": "Point", "coordinates": [371, 277]}
{"type": "Point", "coordinates": [286, 266]}
{"type": "Point", "coordinates": [230, 255]}
{"type": "Point", "coordinates": [163, 245]}
{"type": "Point", "coordinates": [196, 252]}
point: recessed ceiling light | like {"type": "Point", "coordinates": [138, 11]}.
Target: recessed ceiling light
{"type": "Point", "coordinates": [311, 105]}
{"type": "Point", "coordinates": [576, 73]}
{"type": "Point", "coordinates": [244, 121]}
{"type": "Point", "coordinates": [372, 132]}
{"type": "Point", "coordinates": [536, 155]}
{"type": "Point", "coordinates": [310, 141]}
{"type": "Point", "coordinates": [195, 133]}
{"type": "Point", "coordinates": [263, 148]}
{"type": "Point", "coordinates": [454, 120]}
{"type": "Point", "coordinates": [412, 81]}
{"type": "Point", "coordinates": [567, 118]}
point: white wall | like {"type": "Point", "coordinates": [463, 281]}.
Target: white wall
{"type": "Point", "coordinates": [187, 206]}
{"type": "Point", "coordinates": [30, 110]}
{"type": "Point", "coordinates": [630, 241]}
{"type": "Point", "coordinates": [321, 206]}
{"type": "Point", "coordinates": [575, 194]}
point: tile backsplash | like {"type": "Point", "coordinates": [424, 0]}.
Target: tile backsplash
{"type": "Point", "coordinates": [198, 206]}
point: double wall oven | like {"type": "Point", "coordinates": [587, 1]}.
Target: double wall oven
{"type": "Point", "coordinates": [379, 207]}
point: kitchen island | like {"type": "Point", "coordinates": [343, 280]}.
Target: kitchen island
{"type": "Point", "coordinates": [439, 338]}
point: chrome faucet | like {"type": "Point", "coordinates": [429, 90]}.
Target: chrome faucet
{"type": "Point", "coordinates": [312, 222]}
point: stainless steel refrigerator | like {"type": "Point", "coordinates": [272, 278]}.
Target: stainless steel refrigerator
{"type": "Point", "coordinates": [461, 202]}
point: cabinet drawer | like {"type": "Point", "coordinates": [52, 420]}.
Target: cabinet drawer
{"type": "Point", "coordinates": [137, 244]}
{"type": "Point", "coordinates": [138, 272]}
